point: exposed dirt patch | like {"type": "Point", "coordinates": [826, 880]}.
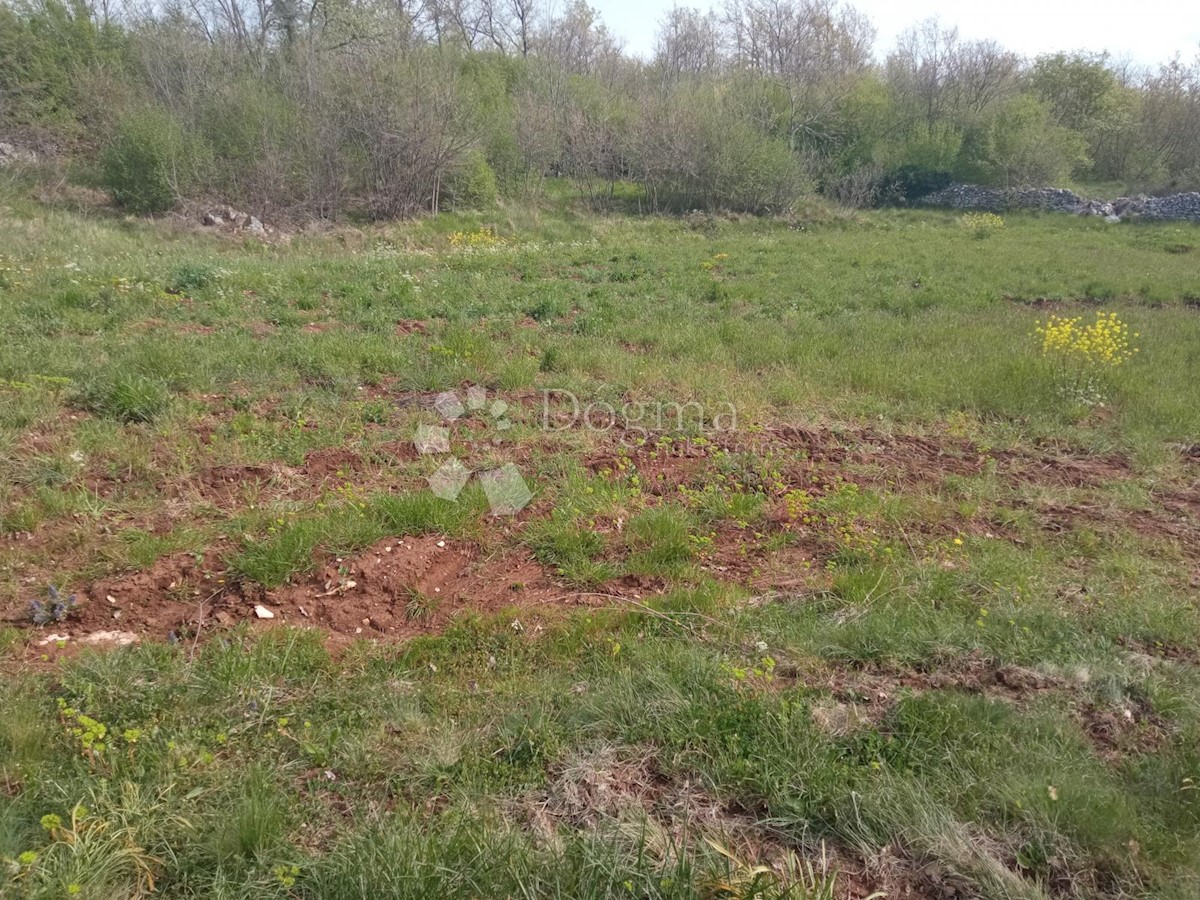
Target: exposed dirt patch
{"type": "Point", "coordinates": [1062, 468]}
{"type": "Point", "coordinates": [609, 785]}
{"type": "Point", "coordinates": [398, 588]}
{"type": "Point", "coordinates": [660, 472]}
{"type": "Point", "coordinates": [738, 554]}
{"type": "Point", "coordinates": [790, 461]}
{"type": "Point", "coordinates": [339, 462]}
{"type": "Point", "coordinates": [1053, 303]}
{"type": "Point", "coordinates": [879, 458]}
{"type": "Point", "coordinates": [884, 458]}
{"type": "Point", "coordinates": [876, 683]}
{"type": "Point", "coordinates": [1181, 525]}
{"type": "Point", "coordinates": [226, 484]}
{"type": "Point", "coordinates": [1163, 650]}
{"type": "Point", "coordinates": [1131, 729]}
{"type": "Point", "coordinates": [196, 329]}
{"type": "Point", "coordinates": [410, 326]}
{"type": "Point", "coordinates": [418, 590]}
{"type": "Point", "coordinates": [167, 601]}
{"type": "Point", "coordinates": [405, 586]}
{"type": "Point", "coordinates": [262, 329]}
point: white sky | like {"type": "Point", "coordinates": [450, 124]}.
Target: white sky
{"type": "Point", "coordinates": [1145, 31]}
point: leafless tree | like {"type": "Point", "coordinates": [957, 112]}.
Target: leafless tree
{"type": "Point", "coordinates": [688, 44]}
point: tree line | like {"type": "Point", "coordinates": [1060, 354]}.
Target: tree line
{"type": "Point", "coordinates": [385, 108]}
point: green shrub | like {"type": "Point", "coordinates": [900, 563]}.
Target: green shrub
{"type": "Point", "coordinates": [1024, 146]}
{"type": "Point", "coordinates": [473, 184]}
{"type": "Point", "coordinates": [751, 172]}
{"type": "Point", "coordinates": [191, 277]}
{"type": "Point", "coordinates": [148, 163]}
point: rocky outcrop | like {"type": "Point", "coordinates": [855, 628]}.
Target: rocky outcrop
{"type": "Point", "coordinates": [1176, 207]}
{"type": "Point", "coordinates": [226, 217]}
{"type": "Point", "coordinates": [11, 154]}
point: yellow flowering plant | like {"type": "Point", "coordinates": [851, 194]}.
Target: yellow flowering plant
{"type": "Point", "coordinates": [1082, 353]}
{"type": "Point", "coordinates": [982, 225]}
{"type": "Point", "coordinates": [475, 240]}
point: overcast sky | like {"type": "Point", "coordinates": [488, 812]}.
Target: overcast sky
{"type": "Point", "coordinates": [1146, 31]}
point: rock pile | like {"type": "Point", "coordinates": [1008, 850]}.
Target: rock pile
{"type": "Point", "coordinates": [1176, 207]}
{"type": "Point", "coordinates": [230, 218]}
{"type": "Point", "coordinates": [11, 154]}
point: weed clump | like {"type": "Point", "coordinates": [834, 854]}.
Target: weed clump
{"type": "Point", "coordinates": [128, 398]}
{"type": "Point", "coordinates": [191, 277]}
{"type": "Point", "coordinates": [56, 609]}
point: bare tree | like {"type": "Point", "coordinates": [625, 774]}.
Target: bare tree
{"type": "Point", "coordinates": [920, 70]}
{"type": "Point", "coordinates": [688, 44]}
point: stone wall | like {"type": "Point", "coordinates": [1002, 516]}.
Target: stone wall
{"type": "Point", "coordinates": [1175, 207]}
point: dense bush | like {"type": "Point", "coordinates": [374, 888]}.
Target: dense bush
{"type": "Point", "coordinates": [908, 184]}
{"type": "Point", "coordinates": [1025, 147]}
{"type": "Point", "coordinates": [148, 165]}
{"type": "Point", "coordinates": [46, 49]}
{"type": "Point", "coordinates": [473, 184]}
{"type": "Point", "coordinates": [450, 107]}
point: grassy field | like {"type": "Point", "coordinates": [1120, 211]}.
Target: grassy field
{"type": "Point", "coordinates": [826, 586]}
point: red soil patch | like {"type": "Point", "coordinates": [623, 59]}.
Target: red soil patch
{"type": "Point", "coordinates": [738, 555]}
{"type": "Point", "coordinates": [416, 588]}
{"type": "Point", "coordinates": [406, 586]}
{"type": "Point", "coordinates": [868, 457]}
{"type": "Point", "coordinates": [904, 458]}
{"type": "Point", "coordinates": [223, 484]}
{"type": "Point", "coordinates": [399, 588]}
{"type": "Point", "coordinates": [661, 472]}
{"type": "Point", "coordinates": [331, 461]}
{"type": "Point", "coordinates": [262, 329]}
{"type": "Point", "coordinates": [230, 486]}
{"type": "Point", "coordinates": [166, 600]}
{"type": "Point", "coordinates": [811, 459]}
{"type": "Point", "coordinates": [1180, 524]}
{"type": "Point", "coordinates": [410, 326]}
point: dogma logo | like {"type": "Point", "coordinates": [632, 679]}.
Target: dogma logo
{"type": "Point", "coordinates": [506, 490]}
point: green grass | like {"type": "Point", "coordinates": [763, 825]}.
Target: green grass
{"type": "Point", "coordinates": [916, 600]}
